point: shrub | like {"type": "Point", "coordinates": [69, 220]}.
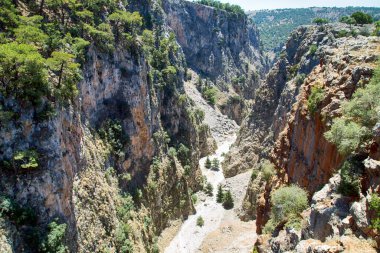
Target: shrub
{"type": "Point", "coordinates": [209, 93]}
{"type": "Point", "coordinates": [348, 20]}
{"type": "Point", "coordinates": [362, 18]}
{"type": "Point", "coordinates": [293, 70]}
{"type": "Point", "coordinates": [315, 98]}
{"type": "Point", "coordinates": [352, 131]}
{"type": "Point", "coordinates": [313, 49]}
{"type": "Point", "coordinates": [200, 221]}
{"type": "Point", "coordinates": [267, 169]}
{"type": "Point", "coordinates": [183, 154]}
{"type": "Point", "coordinates": [228, 201]}
{"type": "Point", "coordinates": [20, 215]}
{"type": "Point", "coordinates": [287, 204]}
{"type": "Point", "coordinates": [350, 173]}
{"type": "Point", "coordinates": [54, 241]}
{"type": "Point", "coordinates": [320, 21]}
{"type": "Point", "coordinates": [194, 198]}
{"type": "Point", "coordinates": [113, 133]}
{"type": "Point", "coordinates": [374, 205]}
{"type": "Point", "coordinates": [254, 174]}
{"type": "Point", "coordinates": [27, 159]}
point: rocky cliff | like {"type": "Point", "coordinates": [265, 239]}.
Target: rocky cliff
{"type": "Point", "coordinates": [220, 46]}
{"type": "Point", "coordinates": [295, 142]}
{"type": "Point", "coordinates": [104, 170]}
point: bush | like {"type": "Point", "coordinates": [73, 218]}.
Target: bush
{"type": "Point", "coordinates": [300, 79]}
{"type": "Point", "coordinates": [320, 21]}
{"type": "Point", "coordinates": [267, 169]}
{"type": "Point", "coordinates": [209, 93]}
{"type": "Point", "coordinates": [362, 18]}
{"type": "Point", "coordinates": [200, 221]}
{"type": "Point", "coordinates": [313, 49]}
{"type": "Point", "coordinates": [374, 205]}
{"type": "Point", "coordinates": [287, 204]}
{"type": "Point", "coordinates": [54, 241]}
{"type": "Point", "coordinates": [228, 201]}
{"type": "Point", "coordinates": [27, 159]}
{"type": "Point", "coordinates": [315, 98]}
{"type": "Point", "coordinates": [353, 130]}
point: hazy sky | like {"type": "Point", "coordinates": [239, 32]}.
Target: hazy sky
{"type": "Point", "coordinates": [275, 4]}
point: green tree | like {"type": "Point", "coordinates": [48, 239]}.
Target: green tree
{"type": "Point", "coordinates": [348, 20]}
{"type": "Point", "coordinates": [374, 205]}
{"type": "Point", "coordinates": [54, 241]}
{"type": "Point", "coordinates": [200, 221]}
{"type": "Point", "coordinates": [22, 72]}
{"type": "Point", "coordinates": [220, 194]}
{"type": "Point", "coordinates": [125, 21]}
{"type": "Point", "coordinates": [316, 96]}
{"type": "Point", "coordinates": [208, 163]}
{"type": "Point", "coordinates": [287, 204]}
{"type": "Point", "coordinates": [320, 21]}
{"type": "Point", "coordinates": [209, 189]}
{"type": "Point", "coordinates": [67, 72]}
{"type": "Point", "coordinates": [29, 31]}
{"type": "Point", "coordinates": [8, 15]}
{"type": "Point", "coordinates": [362, 18]}
{"type": "Point", "coordinates": [215, 164]}
{"type": "Point", "coordinates": [228, 201]}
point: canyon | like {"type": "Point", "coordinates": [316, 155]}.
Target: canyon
{"type": "Point", "coordinates": [109, 153]}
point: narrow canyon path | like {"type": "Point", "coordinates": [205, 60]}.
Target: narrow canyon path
{"type": "Point", "coordinates": [222, 231]}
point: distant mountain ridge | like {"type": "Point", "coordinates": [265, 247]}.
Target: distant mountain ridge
{"type": "Point", "coordinates": [276, 25]}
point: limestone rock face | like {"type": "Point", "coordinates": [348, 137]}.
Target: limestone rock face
{"type": "Point", "coordinates": [217, 44]}
{"type": "Point", "coordinates": [282, 129]}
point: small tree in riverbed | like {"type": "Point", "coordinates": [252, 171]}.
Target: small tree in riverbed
{"type": "Point", "coordinates": [209, 189]}
{"type": "Point", "coordinates": [219, 195]}
{"type": "Point", "coordinates": [208, 163]}
{"type": "Point", "coordinates": [200, 221]}
{"type": "Point", "coordinates": [228, 201]}
{"type": "Point", "coordinates": [215, 164]}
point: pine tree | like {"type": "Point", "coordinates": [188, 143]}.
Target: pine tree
{"type": "Point", "coordinates": [228, 202]}
{"type": "Point", "coordinates": [208, 164]}
{"type": "Point", "coordinates": [215, 164]}
{"type": "Point", "coordinates": [219, 195]}
{"type": "Point", "coordinates": [209, 189]}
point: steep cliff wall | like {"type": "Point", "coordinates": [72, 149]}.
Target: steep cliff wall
{"type": "Point", "coordinates": [111, 142]}
{"type": "Point", "coordinates": [217, 44]}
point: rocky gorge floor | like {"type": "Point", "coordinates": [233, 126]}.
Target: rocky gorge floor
{"type": "Point", "coordinates": [223, 231]}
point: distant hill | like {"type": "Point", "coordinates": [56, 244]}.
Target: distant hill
{"type": "Point", "coordinates": [276, 25]}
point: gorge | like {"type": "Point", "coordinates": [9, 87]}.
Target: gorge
{"type": "Point", "coordinates": [163, 126]}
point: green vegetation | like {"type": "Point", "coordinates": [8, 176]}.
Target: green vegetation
{"type": "Point", "coordinates": [313, 49]}
{"type": "Point", "coordinates": [124, 214]}
{"type": "Point", "coordinates": [320, 21]}
{"type": "Point", "coordinates": [200, 221]}
{"type": "Point", "coordinates": [209, 93]}
{"type": "Point", "coordinates": [267, 169]}
{"type": "Point", "coordinates": [287, 204]}
{"type": "Point", "coordinates": [183, 154]}
{"type": "Point", "coordinates": [27, 159]}
{"type": "Point", "coordinates": [350, 173]}
{"type": "Point", "coordinates": [362, 18]}
{"type": "Point", "coordinates": [374, 205]}
{"type": "Point", "coordinates": [208, 163]}
{"type": "Point", "coordinates": [377, 29]}
{"type": "Point", "coordinates": [209, 189]}
{"type": "Point", "coordinates": [112, 132]}
{"type": "Point", "coordinates": [276, 25]}
{"type": "Point", "coordinates": [228, 201]}
{"type": "Point", "coordinates": [316, 96]}
{"type": "Point", "coordinates": [235, 9]}
{"type": "Point", "coordinates": [352, 131]}
{"type": "Point", "coordinates": [19, 214]}
{"type": "Point", "coordinates": [41, 54]}
{"type": "Point", "coordinates": [348, 20]}
{"type": "Point", "coordinates": [54, 240]}
{"type": "Point", "coordinates": [215, 164]}
{"type": "Point", "coordinates": [220, 194]}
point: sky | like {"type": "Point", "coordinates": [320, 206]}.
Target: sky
{"type": "Point", "coordinates": [277, 4]}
